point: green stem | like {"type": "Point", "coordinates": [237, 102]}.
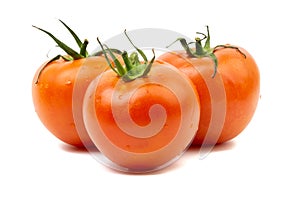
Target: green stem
{"type": "Point", "coordinates": [83, 50]}
{"type": "Point", "coordinates": [119, 69]}
{"type": "Point", "coordinates": [132, 68]}
{"type": "Point", "coordinates": [119, 66]}
{"type": "Point", "coordinates": [215, 60]}
{"type": "Point", "coordinates": [138, 50]}
{"type": "Point", "coordinates": [185, 45]}
{"type": "Point", "coordinates": [147, 70]}
{"type": "Point", "coordinates": [62, 45]}
{"type": "Point", "coordinates": [207, 42]}
{"type": "Point", "coordinates": [205, 51]}
{"type": "Point", "coordinates": [78, 41]}
{"type": "Point", "coordinates": [134, 58]}
{"type": "Point", "coordinates": [71, 54]}
{"type": "Point", "coordinates": [199, 48]}
{"type": "Point", "coordinates": [128, 64]}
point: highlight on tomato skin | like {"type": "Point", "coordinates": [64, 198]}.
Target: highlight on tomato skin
{"type": "Point", "coordinates": [53, 88]}
{"type": "Point", "coordinates": [145, 124]}
{"type": "Point", "coordinates": [53, 96]}
{"type": "Point", "coordinates": [141, 115]}
{"type": "Point", "coordinates": [241, 81]}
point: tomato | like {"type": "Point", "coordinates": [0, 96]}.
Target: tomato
{"type": "Point", "coordinates": [241, 81]}
{"type": "Point", "coordinates": [58, 88]}
{"type": "Point", "coordinates": [53, 94]}
{"type": "Point", "coordinates": [142, 116]}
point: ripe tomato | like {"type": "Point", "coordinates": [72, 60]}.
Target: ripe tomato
{"type": "Point", "coordinates": [58, 88]}
{"type": "Point", "coordinates": [241, 80]}
{"type": "Point", "coordinates": [53, 94]}
{"type": "Point", "coordinates": [141, 119]}
{"type": "Point", "coordinates": [143, 124]}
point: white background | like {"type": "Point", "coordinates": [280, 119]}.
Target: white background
{"type": "Point", "coordinates": [261, 163]}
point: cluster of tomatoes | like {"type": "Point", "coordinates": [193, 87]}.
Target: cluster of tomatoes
{"type": "Point", "coordinates": [142, 114]}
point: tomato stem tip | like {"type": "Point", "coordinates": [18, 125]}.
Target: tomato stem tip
{"type": "Point", "coordinates": [203, 51]}
{"type": "Point", "coordinates": [133, 68]}
{"type": "Point", "coordinates": [71, 53]}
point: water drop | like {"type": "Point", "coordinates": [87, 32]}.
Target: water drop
{"type": "Point", "coordinates": [68, 82]}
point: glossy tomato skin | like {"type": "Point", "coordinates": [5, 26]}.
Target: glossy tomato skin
{"type": "Point", "coordinates": [241, 81]}
{"type": "Point", "coordinates": [53, 94]}
{"type": "Point", "coordinates": [144, 124]}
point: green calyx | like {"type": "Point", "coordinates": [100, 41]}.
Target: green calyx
{"type": "Point", "coordinates": [133, 68]}
{"type": "Point", "coordinates": [201, 51]}
{"type": "Point", "coordinates": [71, 54]}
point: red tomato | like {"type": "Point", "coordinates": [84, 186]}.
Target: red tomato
{"type": "Point", "coordinates": [241, 80]}
{"type": "Point", "coordinates": [58, 88]}
{"type": "Point", "coordinates": [53, 95]}
{"type": "Point", "coordinates": [141, 116]}
{"type": "Point", "coordinates": [144, 124]}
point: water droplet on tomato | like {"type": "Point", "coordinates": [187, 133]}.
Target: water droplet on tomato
{"type": "Point", "coordinates": [68, 82]}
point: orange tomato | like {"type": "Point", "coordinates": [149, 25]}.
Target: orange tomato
{"type": "Point", "coordinates": [53, 94]}
{"type": "Point", "coordinates": [241, 81]}
{"type": "Point", "coordinates": [143, 124]}
{"type": "Point", "coordinates": [58, 88]}
{"type": "Point", "coordinates": [141, 116]}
